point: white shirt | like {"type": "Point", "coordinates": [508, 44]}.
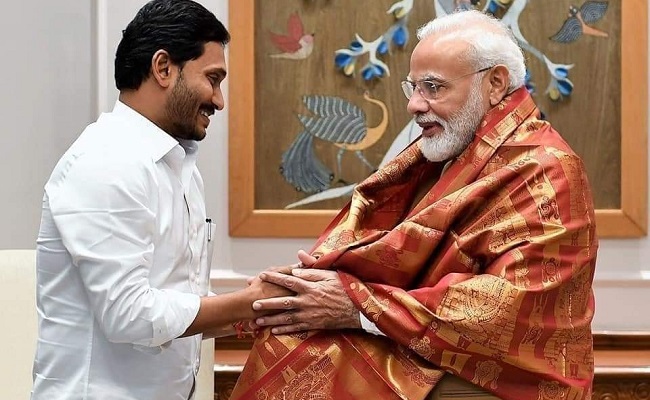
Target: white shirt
{"type": "Point", "coordinates": [122, 260]}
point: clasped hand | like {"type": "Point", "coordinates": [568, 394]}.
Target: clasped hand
{"type": "Point", "coordinates": [320, 301]}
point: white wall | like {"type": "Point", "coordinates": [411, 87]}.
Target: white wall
{"type": "Point", "coordinates": [45, 100]}
{"type": "Point", "coordinates": [58, 75]}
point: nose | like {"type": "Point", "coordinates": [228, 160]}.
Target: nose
{"type": "Point", "coordinates": [217, 99]}
{"type": "Point", "coordinates": [417, 104]}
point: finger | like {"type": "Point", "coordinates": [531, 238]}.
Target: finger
{"type": "Point", "coordinates": [315, 275]}
{"type": "Point", "coordinates": [283, 269]}
{"type": "Point", "coordinates": [287, 281]}
{"type": "Point", "coordinates": [305, 258]}
{"type": "Point", "coordinates": [275, 303]}
{"type": "Point", "coordinates": [250, 326]}
{"type": "Point", "coordinates": [285, 318]}
{"type": "Point", "coordinates": [284, 329]}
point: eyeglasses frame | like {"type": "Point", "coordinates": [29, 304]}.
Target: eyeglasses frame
{"type": "Point", "coordinates": [411, 86]}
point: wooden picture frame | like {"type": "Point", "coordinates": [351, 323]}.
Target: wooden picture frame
{"type": "Point", "coordinates": [630, 220]}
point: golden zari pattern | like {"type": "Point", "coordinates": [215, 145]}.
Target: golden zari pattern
{"type": "Point", "coordinates": [488, 277]}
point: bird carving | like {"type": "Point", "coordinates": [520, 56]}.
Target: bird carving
{"type": "Point", "coordinates": [295, 45]}
{"type": "Point", "coordinates": [577, 23]}
{"type": "Point", "coordinates": [464, 5]}
{"type": "Point", "coordinates": [451, 6]}
{"type": "Point", "coordinates": [336, 121]}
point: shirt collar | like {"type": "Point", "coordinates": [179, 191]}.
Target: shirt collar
{"type": "Point", "coordinates": [154, 139]}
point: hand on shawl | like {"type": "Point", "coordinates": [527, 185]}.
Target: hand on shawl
{"type": "Point", "coordinates": [320, 301]}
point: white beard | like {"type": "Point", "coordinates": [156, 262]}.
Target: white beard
{"type": "Point", "coordinates": [457, 132]}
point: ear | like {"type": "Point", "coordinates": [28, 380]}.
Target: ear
{"type": "Point", "coordinates": [499, 82]}
{"type": "Point", "coordinates": [161, 68]}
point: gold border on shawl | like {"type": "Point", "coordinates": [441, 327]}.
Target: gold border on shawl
{"type": "Point", "coordinates": [631, 220]}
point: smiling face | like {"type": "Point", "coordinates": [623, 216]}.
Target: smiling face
{"type": "Point", "coordinates": [450, 120]}
{"type": "Point", "coordinates": [196, 94]}
{"type": "Point", "coordinates": [443, 139]}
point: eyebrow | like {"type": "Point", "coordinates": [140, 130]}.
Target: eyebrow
{"type": "Point", "coordinates": [429, 77]}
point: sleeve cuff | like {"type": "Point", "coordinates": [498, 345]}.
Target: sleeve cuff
{"type": "Point", "coordinates": [183, 308]}
{"type": "Point", "coordinates": [369, 326]}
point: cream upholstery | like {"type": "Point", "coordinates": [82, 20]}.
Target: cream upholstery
{"type": "Point", "coordinates": [19, 329]}
{"type": "Point", "coordinates": [18, 316]}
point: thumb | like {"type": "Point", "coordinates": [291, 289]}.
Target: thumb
{"type": "Point", "coordinates": [305, 258]}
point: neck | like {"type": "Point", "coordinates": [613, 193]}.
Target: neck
{"type": "Point", "coordinates": [146, 102]}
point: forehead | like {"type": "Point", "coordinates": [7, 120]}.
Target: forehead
{"type": "Point", "coordinates": [212, 59]}
{"type": "Point", "coordinates": [436, 56]}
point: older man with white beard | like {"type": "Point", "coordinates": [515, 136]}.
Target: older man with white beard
{"type": "Point", "coordinates": [471, 255]}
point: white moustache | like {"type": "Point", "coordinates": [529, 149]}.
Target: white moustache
{"type": "Point", "coordinates": [429, 119]}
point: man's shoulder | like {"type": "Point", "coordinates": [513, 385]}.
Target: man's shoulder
{"type": "Point", "coordinates": [536, 148]}
{"type": "Point", "coordinates": [107, 140]}
{"type": "Point", "coordinates": [101, 155]}
{"type": "Point", "coordinates": [537, 138]}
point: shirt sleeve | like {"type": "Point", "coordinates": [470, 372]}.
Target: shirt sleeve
{"type": "Point", "coordinates": [102, 211]}
{"type": "Point", "coordinates": [369, 326]}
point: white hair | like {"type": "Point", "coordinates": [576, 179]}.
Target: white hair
{"type": "Point", "coordinates": [491, 42]}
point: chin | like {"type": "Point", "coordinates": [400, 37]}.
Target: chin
{"type": "Point", "coordinates": [199, 135]}
{"type": "Point", "coordinates": [434, 149]}
{"type": "Point", "coordinates": [437, 150]}
{"type": "Point", "coordinates": [196, 134]}
{"type": "Point", "coordinates": [435, 156]}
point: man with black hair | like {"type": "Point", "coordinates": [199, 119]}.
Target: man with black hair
{"type": "Point", "coordinates": [123, 251]}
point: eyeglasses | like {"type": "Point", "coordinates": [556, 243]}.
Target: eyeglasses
{"type": "Point", "coordinates": [430, 89]}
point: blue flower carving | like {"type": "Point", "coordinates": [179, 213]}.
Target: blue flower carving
{"type": "Point", "coordinates": [400, 36]}
{"type": "Point", "coordinates": [560, 85]}
{"type": "Point", "coordinates": [530, 85]}
{"type": "Point", "coordinates": [397, 34]}
{"type": "Point", "coordinates": [492, 7]}
{"type": "Point", "coordinates": [371, 71]}
{"type": "Point", "coordinates": [383, 47]}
